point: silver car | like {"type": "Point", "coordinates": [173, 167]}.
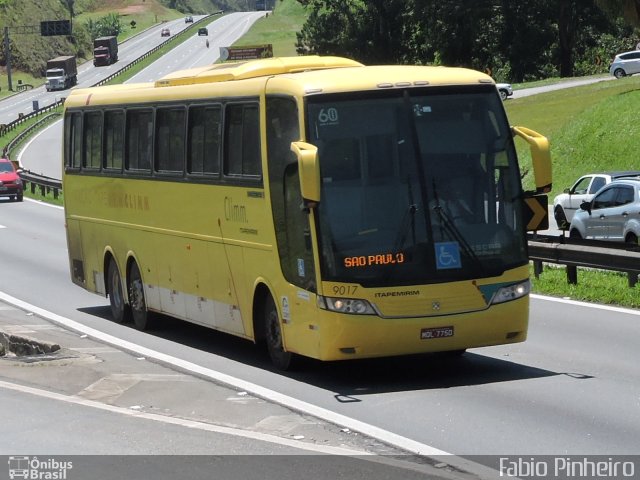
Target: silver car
{"type": "Point", "coordinates": [613, 213]}
{"type": "Point", "coordinates": [624, 64]}
{"type": "Point", "coordinates": [568, 202]}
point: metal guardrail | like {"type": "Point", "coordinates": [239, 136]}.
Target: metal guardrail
{"type": "Point", "coordinates": [6, 128]}
{"type": "Point", "coordinates": [39, 182]}
{"type": "Point", "coordinates": [573, 253]}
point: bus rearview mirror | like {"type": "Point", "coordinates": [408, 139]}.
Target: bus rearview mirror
{"type": "Point", "coordinates": [308, 169]}
{"type": "Point", "coordinates": [540, 157]}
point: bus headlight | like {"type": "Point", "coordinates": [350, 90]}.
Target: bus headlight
{"type": "Point", "coordinates": [511, 292]}
{"type": "Point", "coordinates": [346, 305]}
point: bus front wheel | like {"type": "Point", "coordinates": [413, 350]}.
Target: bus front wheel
{"type": "Point", "coordinates": [120, 311]}
{"type": "Point", "coordinates": [141, 318]}
{"type": "Point", "coordinates": [273, 333]}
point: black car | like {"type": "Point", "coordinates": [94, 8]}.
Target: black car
{"type": "Point", "coordinates": [203, 32]}
{"type": "Point", "coordinates": [188, 19]}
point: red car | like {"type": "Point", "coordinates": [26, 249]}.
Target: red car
{"type": "Point", "coordinates": [10, 182]}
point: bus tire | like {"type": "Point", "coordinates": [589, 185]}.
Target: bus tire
{"type": "Point", "coordinates": [139, 312]}
{"type": "Point", "coordinates": [273, 335]}
{"type": "Point", "coordinates": [120, 311]}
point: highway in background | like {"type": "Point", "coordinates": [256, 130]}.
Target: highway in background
{"type": "Point", "coordinates": [129, 50]}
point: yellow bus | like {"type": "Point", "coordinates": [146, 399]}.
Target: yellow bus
{"type": "Point", "coordinates": [305, 202]}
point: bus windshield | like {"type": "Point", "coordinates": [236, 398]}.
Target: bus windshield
{"type": "Point", "coordinates": [418, 186]}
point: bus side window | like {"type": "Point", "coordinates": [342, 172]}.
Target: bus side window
{"type": "Point", "coordinates": [242, 140]}
{"type": "Point", "coordinates": [113, 139]}
{"type": "Point", "coordinates": [203, 155]}
{"type": "Point", "coordinates": [139, 140]}
{"type": "Point", "coordinates": [92, 140]}
{"type": "Point", "coordinates": [169, 151]}
{"type": "Point", "coordinates": [73, 140]}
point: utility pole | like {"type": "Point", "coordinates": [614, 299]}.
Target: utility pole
{"type": "Point", "coordinates": [7, 55]}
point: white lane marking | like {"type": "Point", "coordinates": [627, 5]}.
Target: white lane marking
{"type": "Point", "coordinates": [41, 202]}
{"type": "Point", "coordinates": [578, 303]}
{"type": "Point", "coordinates": [404, 443]}
{"type": "Point", "coordinates": [264, 437]}
{"type": "Point", "coordinates": [2, 226]}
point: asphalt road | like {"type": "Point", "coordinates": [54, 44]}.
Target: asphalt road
{"type": "Point", "coordinates": [572, 388]}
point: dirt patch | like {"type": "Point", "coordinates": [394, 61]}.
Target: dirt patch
{"type": "Point", "coordinates": [132, 9]}
{"type": "Point", "coordinates": [124, 7]}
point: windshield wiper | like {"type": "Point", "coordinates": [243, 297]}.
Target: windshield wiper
{"type": "Point", "coordinates": [408, 219]}
{"type": "Point", "coordinates": [451, 228]}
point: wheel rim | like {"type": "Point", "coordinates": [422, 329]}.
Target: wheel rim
{"type": "Point", "coordinates": [619, 73]}
{"type": "Point", "coordinates": [274, 336]}
{"type": "Point", "coordinates": [136, 299]}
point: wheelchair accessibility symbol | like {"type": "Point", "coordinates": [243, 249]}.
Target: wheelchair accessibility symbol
{"type": "Point", "coordinates": [447, 255]}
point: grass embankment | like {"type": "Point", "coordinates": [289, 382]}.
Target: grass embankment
{"type": "Point", "coordinates": [144, 15]}
{"type": "Point", "coordinates": [278, 29]}
{"type": "Point", "coordinates": [590, 128]}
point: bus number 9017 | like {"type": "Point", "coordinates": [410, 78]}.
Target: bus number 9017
{"type": "Point", "coordinates": [344, 289]}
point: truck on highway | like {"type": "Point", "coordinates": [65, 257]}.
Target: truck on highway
{"type": "Point", "coordinates": [105, 51]}
{"type": "Point", "coordinates": [62, 73]}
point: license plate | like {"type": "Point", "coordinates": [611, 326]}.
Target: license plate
{"type": "Point", "coordinates": [436, 332]}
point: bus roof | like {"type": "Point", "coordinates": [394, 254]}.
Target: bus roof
{"type": "Point", "coordinates": [223, 72]}
{"type": "Point", "coordinates": [303, 75]}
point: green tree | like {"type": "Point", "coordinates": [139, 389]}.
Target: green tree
{"type": "Point", "coordinates": [628, 9]}
{"type": "Point", "coordinates": [367, 31]}
{"type": "Point", "coordinates": [104, 26]}
{"type": "Point", "coordinates": [513, 41]}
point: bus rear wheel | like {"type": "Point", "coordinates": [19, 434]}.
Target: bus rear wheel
{"type": "Point", "coordinates": [273, 334]}
{"type": "Point", "coordinates": [120, 311]}
{"type": "Point", "coordinates": [141, 317]}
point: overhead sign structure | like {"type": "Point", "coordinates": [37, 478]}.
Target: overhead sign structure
{"type": "Point", "coordinates": [536, 213]}
{"type": "Point", "coordinates": [246, 53]}
{"type": "Point", "coordinates": [52, 28]}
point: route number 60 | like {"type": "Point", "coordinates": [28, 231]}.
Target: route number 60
{"type": "Point", "coordinates": [328, 115]}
